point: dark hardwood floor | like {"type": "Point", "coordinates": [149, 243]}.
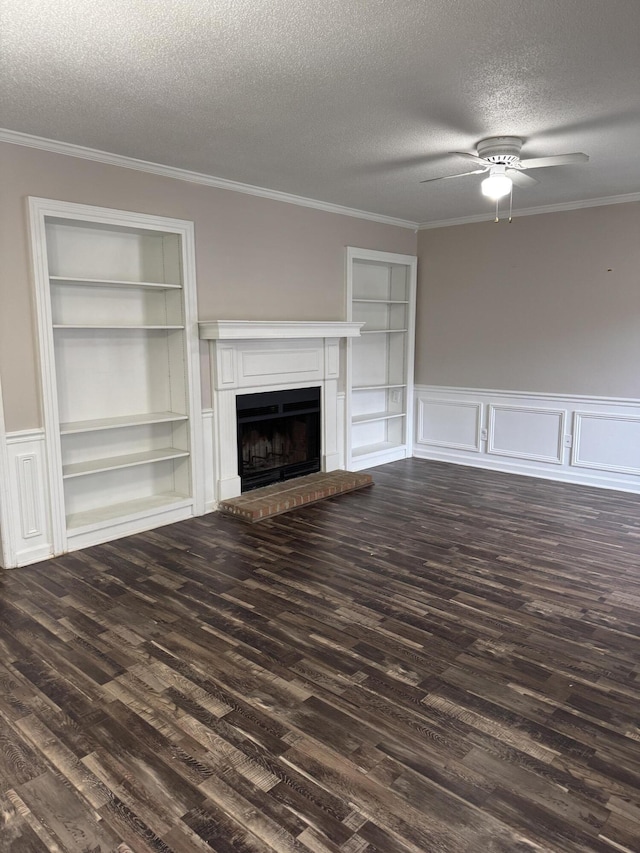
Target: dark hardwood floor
{"type": "Point", "coordinates": [448, 662]}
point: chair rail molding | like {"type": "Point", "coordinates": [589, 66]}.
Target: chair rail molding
{"type": "Point", "coordinates": [593, 441]}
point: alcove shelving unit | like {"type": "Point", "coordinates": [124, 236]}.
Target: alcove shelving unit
{"type": "Point", "coordinates": [381, 292]}
{"type": "Point", "coordinates": [116, 306]}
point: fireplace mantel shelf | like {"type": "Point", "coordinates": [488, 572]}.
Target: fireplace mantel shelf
{"type": "Point", "coordinates": [256, 330]}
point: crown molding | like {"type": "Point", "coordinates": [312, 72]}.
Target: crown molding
{"type": "Point", "coordinates": [54, 146]}
{"type": "Point", "coordinates": [69, 149]}
{"type": "Point", "coordinates": [533, 211]}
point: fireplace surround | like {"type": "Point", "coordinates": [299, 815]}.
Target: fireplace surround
{"type": "Point", "coordinates": [252, 357]}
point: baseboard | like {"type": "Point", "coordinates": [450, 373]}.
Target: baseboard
{"type": "Point", "coordinates": [146, 522]}
{"type": "Point", "coordinates": [590, 441]}
{"type": "Point", "coordinates": [527, 470]}
{"type": "Point", "coordinates": [27, 556]}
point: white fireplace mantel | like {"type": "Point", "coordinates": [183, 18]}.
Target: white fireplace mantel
{"type": "Point", "coordinates": [264, 330]}
{"type": "Point", "coordinates": [249, 356]}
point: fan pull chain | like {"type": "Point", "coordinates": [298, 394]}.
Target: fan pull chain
{"type": "Point", "coordinates": [511, 204]}
{"type": "Point", "coordinates": [497, 219]}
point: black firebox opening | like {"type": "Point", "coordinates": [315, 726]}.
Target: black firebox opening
{"type": "Point", "coordinates": [278, 435]}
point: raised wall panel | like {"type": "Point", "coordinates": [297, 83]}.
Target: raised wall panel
{"type": "Point", "coordinates": [608, 442]}
{"type": "Point", "coordinates": [526, 432]}
{"type": "Point", "coordinates": [331, 359]}
{"type": "Point", "coordinates": [28, 506]}
{"type": "Point", "coordinates": [449, 423]}
{"type": "Point", "coordinates": [278, 363]}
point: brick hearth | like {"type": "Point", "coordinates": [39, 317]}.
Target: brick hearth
{"type": "Point", "coordinates": [282, 497]}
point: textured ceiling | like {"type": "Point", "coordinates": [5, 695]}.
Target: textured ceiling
{"type": "Point", "coordinates": [344, 101]}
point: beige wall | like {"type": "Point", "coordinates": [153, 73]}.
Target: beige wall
{"type": "Point", "coordinates": [550, 303]}
{"type": "Point", "coordinates": [256, 258]}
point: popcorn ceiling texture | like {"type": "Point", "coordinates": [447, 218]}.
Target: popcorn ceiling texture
{"type": "Point", "coordinates": [348, 102]}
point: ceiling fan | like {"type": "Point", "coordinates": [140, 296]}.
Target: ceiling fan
{"type": "Point", "coordinates": [500, 157]}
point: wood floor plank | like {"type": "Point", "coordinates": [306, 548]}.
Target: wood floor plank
{"type": "Point", "coordinates": [448, 662]}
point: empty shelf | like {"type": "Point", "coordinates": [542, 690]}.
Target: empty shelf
{"type": "Point", "coordinates": [71, 427]}
{"type": "Point", "coordinates": [379, 447]}
{"type": "Point", "coordinates": [377, 416]}
{"type": "Point", "coordinates": [112, 463]}
{"type": "Point", "coordinates": [106, 282]}
{"type": "Point", "coordinates": [104, 516]}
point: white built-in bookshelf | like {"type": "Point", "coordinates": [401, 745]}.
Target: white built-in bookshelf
{"type": "Point", "coordinates": [381, 292]}
{"type": "Point", "coordinates": [119, 362]}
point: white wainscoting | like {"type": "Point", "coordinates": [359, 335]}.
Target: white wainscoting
{"type": "Point", "coordinates": [29, 515]}
{"type": "Point", "coordinates": [594, 441]}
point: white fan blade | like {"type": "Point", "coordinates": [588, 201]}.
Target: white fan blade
{"type": "Point", "coordinates": [560, 160]}
{"type": "Point", "coordinates": [448, 177]}
{"type": "Point", "coordinates": [520, 179]}
{"type": "Point", "coordinates": [473, 157]}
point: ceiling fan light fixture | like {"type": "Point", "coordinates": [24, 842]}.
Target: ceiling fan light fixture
{"type": "Point", "coordinates": [497, 185]}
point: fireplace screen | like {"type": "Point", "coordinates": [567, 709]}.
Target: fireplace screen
{"type": "Point", "coordinates": [278, 435]}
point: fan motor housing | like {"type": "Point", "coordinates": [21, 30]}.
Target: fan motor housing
{"type": "Point", "coordinates": [500, 149]}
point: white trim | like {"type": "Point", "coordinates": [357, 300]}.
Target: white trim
{"type": "Point", "coordinates": [538, 395]}
{"type": "Point", "coordinates": [261, 330]}
{"type": "Point", "coordinates": [355, 253]}
{"type": "Point", "coordinates": [7, 547]}
{"type": "Point", "coordinates": [625, 198]}
{"type": "Point", "coordinates": [69, 149]}
{"type": "Point", "coordinates": [25, 435]}
{"type": "Point", "coordinates": [534, 410]}
{"type": "Point", "coordinates": [380, 457]}
{"type": "Point", "coordinates": [578, 417]}
{"type": "Point", "coordinates": [38, 209]}
{"type": "Point", "coordinates": [208, 464]}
